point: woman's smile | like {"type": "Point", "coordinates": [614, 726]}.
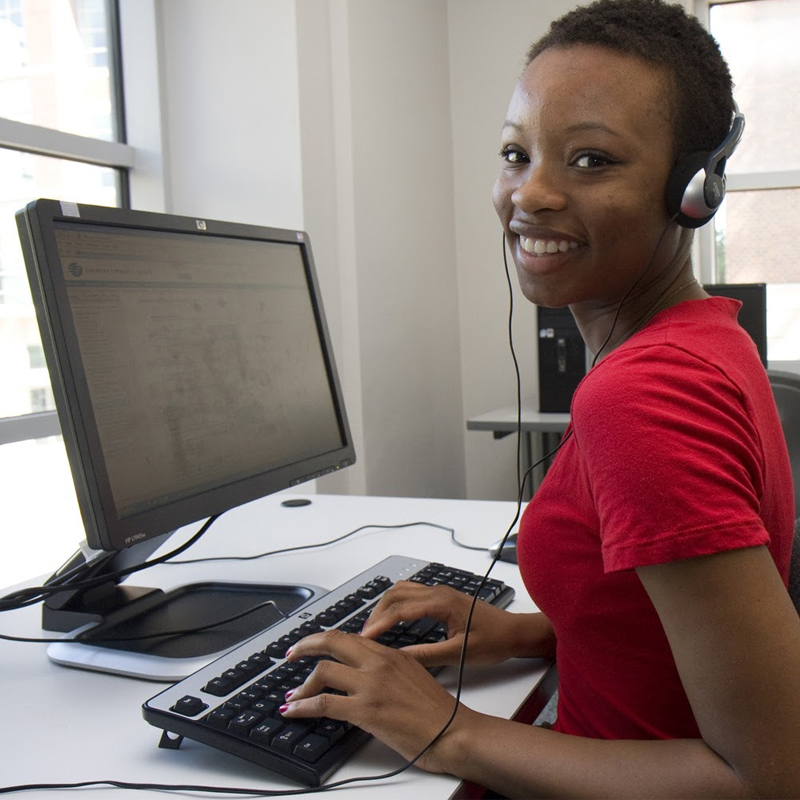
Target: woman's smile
{"type": "Point", "coordinates": [540, 247]}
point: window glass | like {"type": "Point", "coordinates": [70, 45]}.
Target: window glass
{"type": "Point", "coordinates": [55, 73]}
{"type": "Point", "coordinates": [24, 177]}
{"type": "Point", "coordinates": [759, 39]}
{"type": "Point", "coordinates": [54, 66]}
{"type": "Point", "coordinates": [753, 247]}
{"type": "Point", "coordinates": [755, 229]}
{"type": "Point", "coordinates": [29, 469]}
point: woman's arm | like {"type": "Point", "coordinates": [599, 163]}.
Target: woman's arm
{"type": "Point", "coordinates": [736, 640]}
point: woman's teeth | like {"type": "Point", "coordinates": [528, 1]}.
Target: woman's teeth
{"type": "Point", "coordinates": [541, 246]}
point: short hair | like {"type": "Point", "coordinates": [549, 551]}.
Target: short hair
{"type": "Point", "coordinates": [665, 36]}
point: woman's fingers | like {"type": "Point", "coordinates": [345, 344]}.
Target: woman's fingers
{"type": "Point", "coordinates": [407, 601]}
{"type": "Point", "coordinates": [346, 648]}
{"type": "Point", "coordinates": [318, 695]}
{"type": "Point", "coordinates": [438, 654]}
{"type": "Point", "coordinates": [326, 675]}
{"type": "Point", "coordinates": [383, 691]}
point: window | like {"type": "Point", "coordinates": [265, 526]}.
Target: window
{"type": "Point", "coordinates": [11, 11]}
{"type": "Point", "coordinates": [754, 231]}
{"type": "Point", "coordinates": [36, 357]}
{"type": "Point", "coordinates": [42, 399]}
{"type": "Point", "coordinates": [61, 136]}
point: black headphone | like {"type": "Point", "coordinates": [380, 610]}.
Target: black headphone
{"type": "Point", "coordinates": [696, 186]}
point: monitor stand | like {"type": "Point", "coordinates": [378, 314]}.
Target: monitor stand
{"type": "Point", "coordinates": [114, 627]}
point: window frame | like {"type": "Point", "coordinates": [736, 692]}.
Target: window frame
{"type": "Point", "coordinates": [117, 155]}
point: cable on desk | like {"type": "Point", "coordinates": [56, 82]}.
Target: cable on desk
{"type": "Point", "coordinates": [38, 594]}
{"type": "Point", "coordinates": [35, 594]}
{"type": "Point", "coordinates": [142, 637]}
{"type": "Point", "coordinates": [158, 787]}
{"type": "Point", "coordinates": [298, 548]}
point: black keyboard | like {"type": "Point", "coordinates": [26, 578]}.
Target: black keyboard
{"type": "Point", "coordinates": [232, 704]}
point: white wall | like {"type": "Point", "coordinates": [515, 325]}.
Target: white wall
{"type": "Point", "coordinates": [389, 222]}
{"type": "Point", "coordinates": [231, 110]}
{"type": "Point", "coordinates": [488, 43]}
{"type": "Point", "coordinates": [373, 124]}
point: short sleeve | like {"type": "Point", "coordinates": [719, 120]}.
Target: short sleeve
{"type": "Point", "coordinates": [673, 458]}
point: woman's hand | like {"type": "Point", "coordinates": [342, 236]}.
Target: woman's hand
{"type": "Point", "coordinates": [387, 693]}
{"type": "Point", "coordinates": [494, 636]}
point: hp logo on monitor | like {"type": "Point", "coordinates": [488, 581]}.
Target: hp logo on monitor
{"type": "Point", "coordinates": [201, 224]}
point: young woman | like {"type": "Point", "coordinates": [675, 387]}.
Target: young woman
{"type": "Point", "coordinates": [657, 547]}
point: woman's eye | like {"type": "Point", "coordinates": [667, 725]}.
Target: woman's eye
{"type": "Point", "coordinates": [591, 161]}
{"type": "Point", "coordinates": [513, 156]}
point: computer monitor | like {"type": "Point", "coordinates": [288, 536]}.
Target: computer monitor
{"type": "Point", "coordinates": [192, 372]}
{"type": "Point", "coordinates": [753, 314]}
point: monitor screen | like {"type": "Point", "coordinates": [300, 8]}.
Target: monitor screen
{"type": "Point", "coordinates": [753, 313]}
{"type": "Point", "coordinates": [190, 361]}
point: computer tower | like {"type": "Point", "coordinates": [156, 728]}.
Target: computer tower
{"type": "Point", "coordinates": [753, 314]}
{"type": "Point", "coordinates": [562, 359]}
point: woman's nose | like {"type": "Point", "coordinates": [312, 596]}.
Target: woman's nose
{"type": "Point", "coordinates": [539, 190]}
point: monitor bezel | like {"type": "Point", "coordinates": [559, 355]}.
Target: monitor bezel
{"type": "Point", "coordinates": [105, 528]}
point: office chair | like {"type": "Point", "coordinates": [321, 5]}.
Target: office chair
{"type": "Point", "coordinates": [786, 389]}
{"type": "Point", "coordinates": [794, 568]}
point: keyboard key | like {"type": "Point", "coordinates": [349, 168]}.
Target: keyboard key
{"type": "Point", "coordinates": [249, 668]}
{"type": "Point", "coordinates": [275, 697]}
{"type": "Point", "coordinates": [265, 684]}
{"type": "Point", "coordinates": [265, 707]}
{"type": "Point", "coordinates": [287, 671]}
{"type": "Point", "coordinates": [423, 626]}
{"type": "Point", "coordinates": [352, 625]}
{"type": "Point", "coordinates": [237, 704]}
{"type": "Point", "coordinates": [235, 677]}
{"type": "Point", "coordinates": [331, 729]}
{"type": "Point", "coordinates": [326, 619]}
{"type": "Point", "coordinates": [264, 732]}
{"type": "Point", "coordinates": [287, 739]}
{"type": "Point", "coordinates": [219, 687]}
{"type": "Point", "coordinates": [189, 706]}
{"type": "Point", "coordinates": [220, 717]}
{"type": "Point", "coordinates": [307, 628]}
{"type": "Point", "coordinates": [312, 748]}
{"type": "Point", "coordinates": [250, 694]}
{"type": "Point", "coordinates": [262, 659]}
{"type": "Point", "coordinates": [244, 723]}
{"type": "Point", "coordinates": [276, 650]}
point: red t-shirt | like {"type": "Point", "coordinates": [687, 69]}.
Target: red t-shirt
{"type": "Point", "coordinates": [676, 451]}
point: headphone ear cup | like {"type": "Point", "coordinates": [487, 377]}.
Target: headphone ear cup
{"type": "Point", "coordinates": [681, 200]}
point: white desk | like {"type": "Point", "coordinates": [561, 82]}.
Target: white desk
{"type": "Point", "coordinates": [541, 432]}
{"type": "Point", "coordinates": [503, 420]}
{"type": "Point", "coordinates": [63, 725]}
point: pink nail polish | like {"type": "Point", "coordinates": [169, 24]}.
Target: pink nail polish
{"type": "Point", "coordinates": [289, 693]}
{"type": "Point", "coordinates": [288, 652]}
{"type": "Point", "coordinates": [284, 708]}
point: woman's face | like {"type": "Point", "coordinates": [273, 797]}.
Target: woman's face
{"type": "Point", "coordinates": [586, 151]}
